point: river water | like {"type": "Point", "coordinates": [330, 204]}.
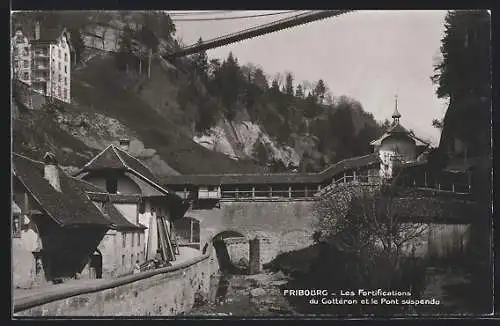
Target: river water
{"type": "Point", "coordinates": [262, 296]}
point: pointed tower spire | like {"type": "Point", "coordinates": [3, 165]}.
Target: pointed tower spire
{"type": "Point", "coordinates": [396, 115]}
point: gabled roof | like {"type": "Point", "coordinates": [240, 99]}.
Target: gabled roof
{"type": "Point", "coordinates": [69, 207]}
{"type": "Point", "coordinates": [114, 158]}
{"type": "Point", "coordinates": [51, 35]}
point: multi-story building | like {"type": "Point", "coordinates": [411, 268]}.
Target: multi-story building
{"type": "Point", "coordinates": [21, 57]}
{"type": "Point", "coordinates": [137, 193]}
{"type": "Point", "coordinates": [51, 63]}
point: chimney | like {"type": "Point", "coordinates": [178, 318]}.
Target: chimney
{"type": "Point", "coordinates": [124, 144]}
{"type": "Point", "coordinates": [37, 30]}
{"type": "Point", "coordinates": [51, 171]}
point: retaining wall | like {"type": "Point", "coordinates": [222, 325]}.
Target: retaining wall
{"type": "Point", "coordinates": [164, 292]}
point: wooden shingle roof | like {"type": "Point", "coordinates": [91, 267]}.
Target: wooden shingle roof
{"type": "Point", "coordinates": [114, 158]}
{"type": "Point", "coordinates": [69, 207]}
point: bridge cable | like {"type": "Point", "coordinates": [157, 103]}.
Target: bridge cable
{"type": "Point", "coordinates": [232, 18]}
{"type": "Point", "coordinates": [196, 13]}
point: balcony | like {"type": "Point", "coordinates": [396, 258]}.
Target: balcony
{"type": "Point", "coordinates": [41, 54]}
{"type": "Point", "coordinates": [41, 67]}
{"type": "Point", "coordinates": [40, 78]}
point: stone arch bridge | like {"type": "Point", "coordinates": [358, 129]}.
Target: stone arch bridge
{"type": "Point", "coordinates": [278, 209]}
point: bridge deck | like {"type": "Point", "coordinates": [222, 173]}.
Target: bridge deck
{"type": "Point", "coordinates": [257, 31]}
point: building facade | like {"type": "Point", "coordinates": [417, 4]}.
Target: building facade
{"type": "Point", "coordinates": [123, 245]}
{"type": "Point", "coordinates": [52, 63]}
{"type": "Point", "coordinates": [118, 173]}
{"type": "Point", "coordinates": [55, 226]}
{"type": "Point", "coordinates": [21, 57]}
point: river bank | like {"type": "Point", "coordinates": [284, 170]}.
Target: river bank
{"type": "Point", "coordinates": [261, 295]}
{"type": "Point", "coordinates": [246, 295]}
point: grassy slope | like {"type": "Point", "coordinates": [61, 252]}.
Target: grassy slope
{"type": "Point", "coordinates": [100, 87]}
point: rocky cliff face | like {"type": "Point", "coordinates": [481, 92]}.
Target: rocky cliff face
{"type": "Point", "coordinates": [239, 140]}
{"type": "Point", "coordinates": [99, 131]}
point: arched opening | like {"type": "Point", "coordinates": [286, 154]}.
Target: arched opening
{"type": "Point", "coordinates": [96, 264]}
{"type": "Point", "coordinates": [228, 264]}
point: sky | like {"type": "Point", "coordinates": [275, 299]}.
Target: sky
{"type": "Point", "coordinates": [368, 55]}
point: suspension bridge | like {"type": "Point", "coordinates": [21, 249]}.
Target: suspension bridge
{"type": "Point", "coordinates": [288, 22]}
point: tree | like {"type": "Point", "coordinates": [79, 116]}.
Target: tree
{"type": "Point", "coordinates": [275, 86]}
{"type": "Point", "coordinates": [201, 61]}
{"type": "Point", "coordinates": [125, 51]}
{"type": "Point", "coordinates": [289, 83]}
{"type": "Point", "coordinates": [464, 77]}
{"type": "Point", "coordinates": [260, 153]}
{"type": "Point", "coordinates": [229, 84]}
{"type": "Point", "coordinates": [260, 80]}
{"type": "Point", "coordinates": [148, 37]}
{"type": "Point", "coordinates": [366, 224]}
{"type": "Point", "coordinates": [466, 54]}
{"type": "Point", "coordinates": [78, 44]}
{"type": "Point", "coordinates": [213, 68]}
{"type": "Point", "coordinates": [298, 92]}
{"type": "Point", "coordinates": [320, 90]}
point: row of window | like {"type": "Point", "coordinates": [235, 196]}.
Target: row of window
{"type": "Point", "coordinates": [65, 56]}
{"type": "Point", "coordinates": [59, 67]}
{"type": "Point", "coordinates": [133, 259]}
{"type": "Point", "coordinates": [24, 51]}
{"type": "Point", "coordinates": [132, 239]}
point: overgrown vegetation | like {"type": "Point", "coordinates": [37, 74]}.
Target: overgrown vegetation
{"type": "Point", "coordinates": [365, 244]}
{"type": "Point", "coordinates": [463, 76]}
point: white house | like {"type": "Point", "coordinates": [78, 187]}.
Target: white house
{"type": "Point", "coordinates": [115, 171]}
{"type": "Point", "coordinates": [51, 63]}
{"type": "Point", "coordinates": [397, 145]}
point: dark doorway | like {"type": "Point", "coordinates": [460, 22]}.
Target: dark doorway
{"type": "Point", "coordinates": [96, 264]}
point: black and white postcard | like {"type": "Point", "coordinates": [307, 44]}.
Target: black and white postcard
{"type": "Point", "coordinates": [251, 163]}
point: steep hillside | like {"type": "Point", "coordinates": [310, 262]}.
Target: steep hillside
{"type": "Point", "coordinates": [188, 116]}
{"type": "Point", "coordinates": [105, 107]}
